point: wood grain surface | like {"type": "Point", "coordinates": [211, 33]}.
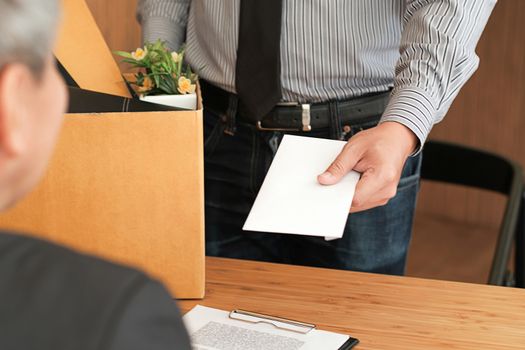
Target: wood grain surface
{"type": "Point", "coordinates": [384, 312]}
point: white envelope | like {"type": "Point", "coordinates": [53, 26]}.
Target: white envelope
{"type": "Point", "coordinates": [292, 201]}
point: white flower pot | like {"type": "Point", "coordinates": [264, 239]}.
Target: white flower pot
{"type": "Point", "coordinates": [188, 101]}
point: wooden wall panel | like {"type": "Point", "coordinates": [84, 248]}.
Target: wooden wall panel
{"type": "Point", "coordinates": [489, 112]}
{"type": "Point", "coordinates": [117, 21]}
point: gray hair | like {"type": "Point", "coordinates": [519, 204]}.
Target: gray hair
{"type": "Point", "coordinates": [27, 31]}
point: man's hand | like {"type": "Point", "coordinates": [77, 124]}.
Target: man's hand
{"type": "Point", "coordinates": [379, 154]}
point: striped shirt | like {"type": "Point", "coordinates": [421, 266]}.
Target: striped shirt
{"type": "Point", "coordinates": [338, 49]}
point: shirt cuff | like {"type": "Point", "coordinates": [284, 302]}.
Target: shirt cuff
{"type": "Point", "coordinates": [413, 108]}
{"type": "Point", "coordinates": [154, 28]}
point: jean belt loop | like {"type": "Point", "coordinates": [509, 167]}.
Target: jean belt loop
{"type": "Point", "coordinates": [231, 115]}
{"type": "Point", "coordinates": [336, 130]}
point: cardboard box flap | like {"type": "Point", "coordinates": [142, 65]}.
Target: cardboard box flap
{"type": "Point", "coordinates": [84, 53]}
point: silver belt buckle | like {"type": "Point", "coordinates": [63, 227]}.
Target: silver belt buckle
{"type": "Point", "coordinates": [305, 118]}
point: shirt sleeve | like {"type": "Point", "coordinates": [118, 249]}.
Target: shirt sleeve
{"type": "Point", "coordinates": [437, 57]}
{"type": "Point", "coordinates": [163, 19]}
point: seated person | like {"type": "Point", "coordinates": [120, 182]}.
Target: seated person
{"type": "Point", "coordinates": [52, 298]}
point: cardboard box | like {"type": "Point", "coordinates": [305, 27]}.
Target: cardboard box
{"type": "Point", "coordinates": [127, 187]}
{"type": "Point", "coordinates": [84, 53]}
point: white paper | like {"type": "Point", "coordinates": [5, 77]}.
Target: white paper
{"type": "Point", "coordinates": [291, 200]}
{"type": "Point", "coordinates": [212, 329]}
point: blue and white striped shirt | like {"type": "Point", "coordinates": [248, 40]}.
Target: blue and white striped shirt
{"type": "Point", "coordinates": [337, 49]}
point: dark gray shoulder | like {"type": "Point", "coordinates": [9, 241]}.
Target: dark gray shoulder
{"type": "Point", "coordinates": [57, 297]}
{"type": "Point", "coordinates": [150, 321]}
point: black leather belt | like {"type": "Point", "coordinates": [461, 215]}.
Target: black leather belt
{"type": "Point", "coordinates": [300, 117]}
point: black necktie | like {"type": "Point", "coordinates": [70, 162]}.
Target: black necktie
{"type": "Point", "coordinates": [258, 71]}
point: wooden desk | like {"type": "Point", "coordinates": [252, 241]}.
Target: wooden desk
{"type": "Point", "coordinates": [384, 312]}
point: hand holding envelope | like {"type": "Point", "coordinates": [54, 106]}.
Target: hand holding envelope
{"type": "Point", "coordinates": [379, 154]}
{"type": "Point", "coordinates": [292, 201]}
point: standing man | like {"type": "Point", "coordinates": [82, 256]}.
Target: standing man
{"type": "Point", "coordinates": [378, 73]}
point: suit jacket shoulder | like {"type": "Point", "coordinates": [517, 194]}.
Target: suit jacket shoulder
{"type": "Point", "coordinates": [54, 298]}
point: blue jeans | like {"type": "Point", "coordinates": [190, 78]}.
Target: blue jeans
{"type": "Point", "coordinates": [375, 240]}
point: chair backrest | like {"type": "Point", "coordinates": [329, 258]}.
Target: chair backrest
{"type": "Point", "coordinates": [456, 164]}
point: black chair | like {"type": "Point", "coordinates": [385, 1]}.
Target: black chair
{"type": "Point", "coordinates": [456, 164]}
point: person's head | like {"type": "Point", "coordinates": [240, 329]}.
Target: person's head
{"type": "Point", "coordinates": [32, 94]}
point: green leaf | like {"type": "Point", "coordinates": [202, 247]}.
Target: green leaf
{"type": "Point", "coordinates": [165, 67]}
{"type": "Point", "coordinates": [140, 79]}
{"type": "Point", "coordinates": [133, 62]}
{"type": "Point", "coordinates": [123, 54]}
{"type": "Point", "coordinates": [156, 79]}
{"type": "Point", "coordinates": [164, 86]}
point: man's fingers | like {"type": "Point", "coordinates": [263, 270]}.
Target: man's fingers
{"type": "Point", "coordinates": [341, 166]}
{"type": "Point", "coordinates": [367, 185]}
{"type": "Point", "coordinates": [367, 206]}
{"type": "Point", "coordinates": [373, 189]}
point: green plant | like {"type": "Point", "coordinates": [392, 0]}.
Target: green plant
{"type": "Point", "coordinates": [160, 71]}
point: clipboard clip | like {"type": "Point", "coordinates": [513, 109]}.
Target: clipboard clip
{"type": "Point", "coordinates": [277, 322]}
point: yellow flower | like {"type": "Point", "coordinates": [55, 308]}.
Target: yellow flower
{"type": "Point", "coordinates": [185, 86]}
{"type": "Point", "coordinates": [139, 54]}
{"type": "Point", "coordinates": [146, 86]}
{"type": "Point", "coordinates": [176, 57]}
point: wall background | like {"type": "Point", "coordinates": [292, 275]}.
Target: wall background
{"type": "Point", "coordinates": [116, 19]}
{"type": "Point", "coordinates": [489, 112]}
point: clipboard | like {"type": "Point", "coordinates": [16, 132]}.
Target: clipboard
{"type": "Point", "coordinates": [283, 324]}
